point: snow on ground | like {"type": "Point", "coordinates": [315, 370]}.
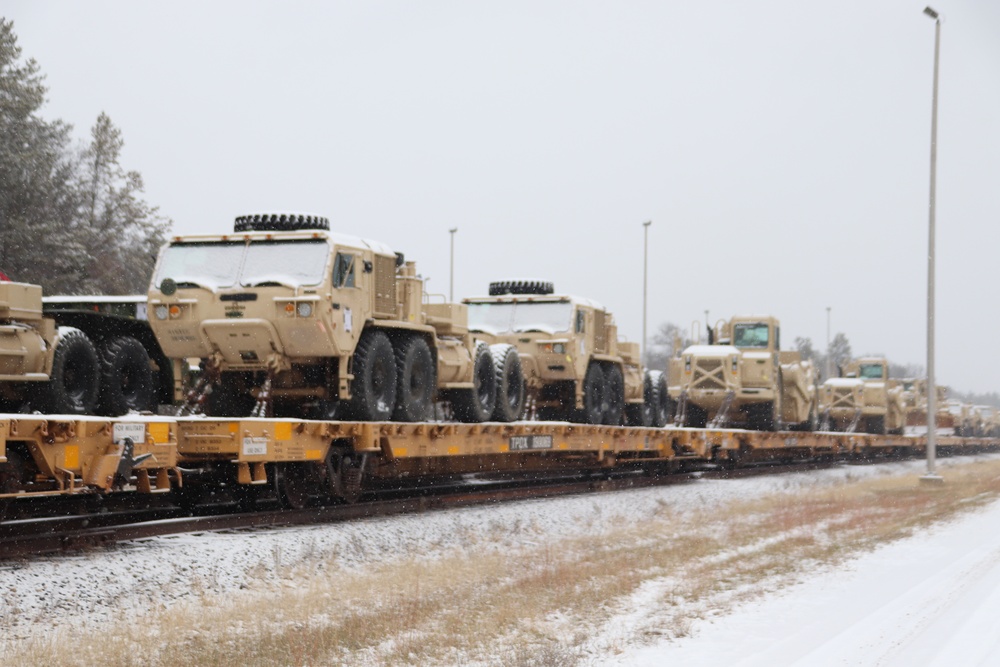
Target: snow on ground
{"type": "Point", "coordinates": [933, 599]}
{"type": "Point", "coordinates": [919, 593]}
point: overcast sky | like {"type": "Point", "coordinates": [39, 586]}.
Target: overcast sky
{"type": "Point", "coordinates": [781, 148]}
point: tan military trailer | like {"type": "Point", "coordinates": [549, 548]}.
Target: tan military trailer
{"type": "Point", "coordinates": [292, 319]}
{"type": "Point", "coordinates": [43, 367]}
{"type": "Point", "coordinates": [575, 367]}
{"type": "Point", "coordinates": [883, 404]}
{"type": "Point", "coordinates": [742, 378]}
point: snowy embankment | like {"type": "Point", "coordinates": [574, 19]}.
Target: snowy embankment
{"type": "Point", "coordinates": [933, 599]}
{"type": "Point", "coordinates": [137, 583]}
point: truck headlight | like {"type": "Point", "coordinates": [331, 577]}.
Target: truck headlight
{"type": "Point", "coordinates": [304, 309]}
{"type": "Point", "coordinates": [162, 312]}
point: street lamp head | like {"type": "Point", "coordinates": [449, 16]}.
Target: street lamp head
{"type": "Point", "coordinates": [930, 12]}
{"type": "Point", "coordinates": [647, 223]}
{"type": "Point", "coordinates": [453, 230]}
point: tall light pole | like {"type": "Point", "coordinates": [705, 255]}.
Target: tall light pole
{"type": "Point", "coordinates": [931, 475]}
{"type": "Point", "coordinates": [645, 275]}
{"type": "Point", "coordinates": [829, 372]}
{"type": "Point", "coordinates": [451, 279]}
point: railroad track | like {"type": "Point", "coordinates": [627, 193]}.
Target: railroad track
{"type": "Point", "coordinates": [30, 538]}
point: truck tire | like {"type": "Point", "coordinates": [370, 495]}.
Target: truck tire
{"type": "Point", "coordinates": [373, 389]}
{"type": "Point", "coordinates": [502, 287]}
{"type": "Point", "coordinates": [74, 385]}
{"type": "Point", "coordinates": [663, 408]}
{"type": "Point", "coordinates": [476, 405]}
{"type": "Point", "coordinates": [416, 380]}
{"type": "Point", "coordinates": [126, 377]}
{"type": "Point", "coordinates": [595, 396]}
{"type": "Point", "coordinates": [642, 414]}
{"type": "Point", "coordinates": [509, 381]}
{"type": "Point", "coordinates": [616, 395]}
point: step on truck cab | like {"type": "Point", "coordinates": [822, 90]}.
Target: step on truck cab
{"type": "Point", "coordinates": [292, 319]}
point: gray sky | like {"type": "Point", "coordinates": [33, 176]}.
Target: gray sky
{"type": "Point", "coordinates": [780, 147]}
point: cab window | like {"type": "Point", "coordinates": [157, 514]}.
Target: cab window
{"type": "Point", "coordinates": [343, 270]}
{"type": "Point", "coordinates": [581, 320]}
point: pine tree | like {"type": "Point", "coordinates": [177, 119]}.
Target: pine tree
{"type": "Point", "coordinates": [71, 222]}
{"type": "Point", "coordinates": [122, 232]}
{"type": "Point", "coordinates": [36, 168]}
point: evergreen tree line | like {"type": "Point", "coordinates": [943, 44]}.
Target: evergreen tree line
{"type": "Point", "coordinates": [72, 219]}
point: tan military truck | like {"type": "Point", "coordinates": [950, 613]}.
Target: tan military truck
{"type": "Point", "coordinates": [575, 367]}
{"type": "Point", "coordinates": [43, 367]}
{"type": "Point", "coordinates": [883, 406]}
{"type": "Point", "coordinates": [294, 320]}
{"type": "Point", "coordinates": [742, 378]}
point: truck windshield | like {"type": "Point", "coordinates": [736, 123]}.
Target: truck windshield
{"type": "Point", "coordinates": [289, 263]}
{"type": "Point", "coordinates": [221, 264]}
{"type": "Point", "coordinates": [750, 335]}
{"type": "Point", "coordinates": [211, 265]}
{"type": "Point", "coordinates": [499, 318]}
{"type": "Point", "coordinates": [870, 372]}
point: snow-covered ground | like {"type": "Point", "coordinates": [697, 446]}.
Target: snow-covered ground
{"type": "Point", "coordinates": [933, 599]}
{"type": "Point", "coordinates": [930, 598]}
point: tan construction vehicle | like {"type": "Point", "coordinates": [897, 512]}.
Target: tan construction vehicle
{"type": "Point", "coordinates": [915, 399]}
{"type": "Point", "coordinates": [293, 320]}
{"type": "Point", "coordinates": [881, 406]}
{"type": "Point", "coordinates": [574, 365]}
{"type": "Point", "coordinates": [840, 403]}
{"type": "Point", "coordinates": [43, 367]}
{"type": "Point", "coordinates": [742, 378]}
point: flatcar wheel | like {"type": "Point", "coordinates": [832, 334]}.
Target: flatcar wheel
{"type": "Point", "coordinates": [12, 474]}
{"type": "Point", "coordinates": [344, 474]}
{"type": "Point", "coordinates": [295, 483]}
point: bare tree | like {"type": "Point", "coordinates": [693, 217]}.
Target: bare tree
{"type": "Point", "coordinates": [668, 340]}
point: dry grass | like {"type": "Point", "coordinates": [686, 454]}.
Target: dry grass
{"type": "Point", "coordinates": [548, 606]}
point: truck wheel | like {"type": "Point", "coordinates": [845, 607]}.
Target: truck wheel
{"type": "Point", "coordinates": [476, 405]}
{"type": "Point", "coordinates": [74, 386]}
{"type": "Point", "coordinates": [126, 377]}
{"type": "Point", "coordinates": [595, 396]}
{"type": "Point", "coordinates": [642, 414]}
{"type": "Point", "coordinates": [374, 384]}
{"type": "Point", "coordinates": [616, 396]}
{"type": "Point", "coordinates": [663, 408]}
{"type": "Point", "coordinates": [415, 381]}
{"type": "Point", "coordinates": [509, 381]}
